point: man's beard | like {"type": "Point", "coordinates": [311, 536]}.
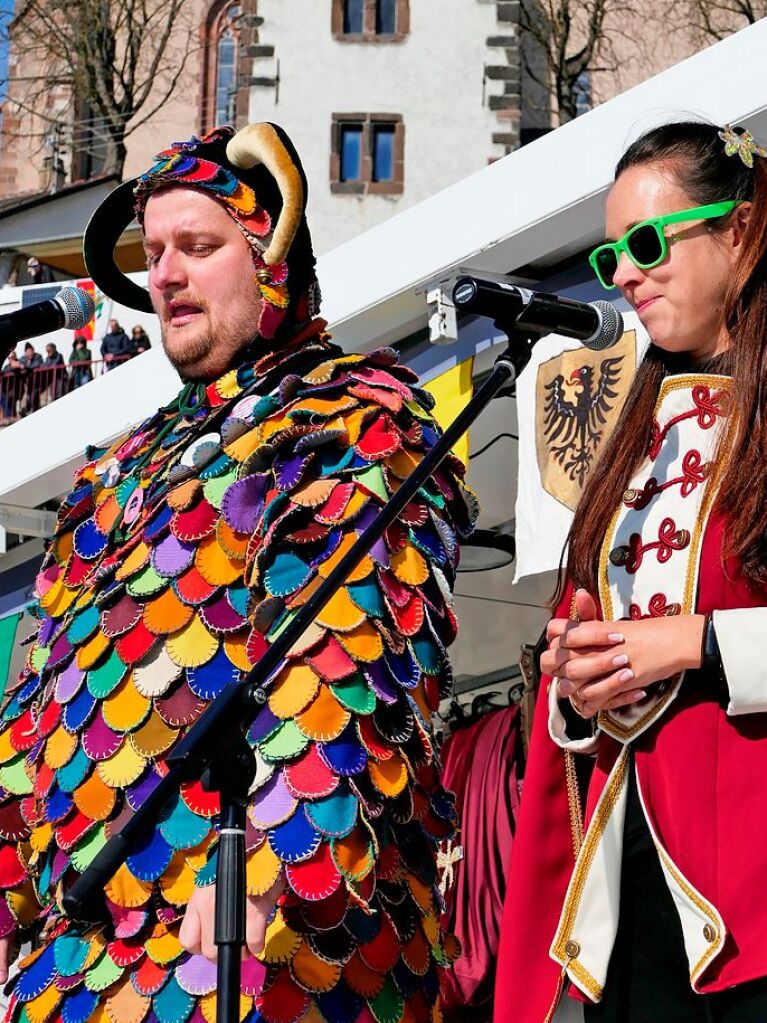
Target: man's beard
{"type": "Point", "coordinates": [183, 356]}
{"type": "Point", "coordinates": [209, 354]}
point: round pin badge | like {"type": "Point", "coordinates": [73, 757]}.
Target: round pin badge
{"type": "Point", "coordinates": [133, 507]}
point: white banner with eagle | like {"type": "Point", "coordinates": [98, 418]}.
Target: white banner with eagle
{"type": "Point", "coordinates": [568, 399]}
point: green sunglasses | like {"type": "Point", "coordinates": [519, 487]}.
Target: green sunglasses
{"type": "Point", "coordinates": [645, 243]}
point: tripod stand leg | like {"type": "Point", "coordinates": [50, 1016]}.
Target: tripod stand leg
{"type": "Point", "coordinates": [231, 774]}
{"type": "Point", "coordinates": [230, 909]}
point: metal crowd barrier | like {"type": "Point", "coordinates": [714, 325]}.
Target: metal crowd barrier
{"type": "Point", "coordinates": [23, 391]}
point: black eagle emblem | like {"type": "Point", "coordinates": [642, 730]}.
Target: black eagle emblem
{"type": "Point", "coordinates": [574, 429]}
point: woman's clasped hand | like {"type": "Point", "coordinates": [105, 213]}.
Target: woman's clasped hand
{"type": "Point", "coordinates": [605, 665]}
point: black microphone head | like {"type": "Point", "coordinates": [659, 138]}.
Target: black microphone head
{"type": "Point", "coordinates": [610, 329]}
{"type": "Point", "coordinates": [465, 292]}
{"type": "Point", "coordinates": [78, 307]}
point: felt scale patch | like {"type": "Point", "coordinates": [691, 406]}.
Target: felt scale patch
{"type": "Point", "coordinates": [166, 614]}
{"type": "Point", "coordinates": [192, 588]}
{"type": "Point", "coordinates": [293, 689]}
{"type": "Point", "coordinates": [309, 776]}
{"type": "Point", "coordinates": [354, 854]}
{"type": "Point", "coordinates": [273, 803]}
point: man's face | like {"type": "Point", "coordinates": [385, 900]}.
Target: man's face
{"type": "Point", "coordinates": [114, 326]}
{"type": "Point", "coordinates": [201, 281]}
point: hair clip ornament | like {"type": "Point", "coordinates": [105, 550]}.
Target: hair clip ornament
{"type": "Point", "coordinates": [744, 145]}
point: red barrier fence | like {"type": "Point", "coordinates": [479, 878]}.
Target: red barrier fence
{"type": "Point", "coordinates": [25, 390]}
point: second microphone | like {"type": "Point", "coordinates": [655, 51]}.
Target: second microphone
{"type": "Point", "coordinates": [596, 325]}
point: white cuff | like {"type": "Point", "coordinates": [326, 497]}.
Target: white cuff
{"type": "Point", "coordinates": [558, 727]}
{"type": "Point", "coordinates": [627, 723]}
{"type": "Point", "coordinates": [740, 633]}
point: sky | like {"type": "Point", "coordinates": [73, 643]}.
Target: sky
{"type": "Point", "coordinates": [6, 12]}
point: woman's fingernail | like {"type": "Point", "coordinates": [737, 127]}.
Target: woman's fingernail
{"type": "Point", "coordinates": [626, 676]}
{"type": "Point", "coordinates": [638, 694]}
{"type": "Point", "coordinates": [615, 637]}
{"type": "Point", "coordinates": [566, 688]}
{"type": "Point", "coordinates": [620, 660]}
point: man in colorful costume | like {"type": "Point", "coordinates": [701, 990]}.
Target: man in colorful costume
{"type": "Point", "coordinates": [184, 548]}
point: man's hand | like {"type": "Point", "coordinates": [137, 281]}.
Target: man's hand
{"type": "Point", "coordinates": [197, 927]}
{"type": "Point", "coordinates": [605, 665]}
{"type": "Point", "coordinates": [5, 948]}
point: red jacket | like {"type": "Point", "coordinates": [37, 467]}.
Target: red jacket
{"type": "Point", "coordinates": [700, 772]}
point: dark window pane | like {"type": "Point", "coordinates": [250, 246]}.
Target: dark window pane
{"type": "Point", "coordinates": [353, 16]}
{"type": "Point", "coordinates": [90, 143]}
{"type": "Point", "coordinates": [582, 93]}
{"type": "Point", "coordinates": [351, 152]}
{"type": "Point", "coordinates": [383, 152]}
{"type": "Point", "coordinates": [226, 79]}
{"type": "Point", "coordinates": [386, 17]}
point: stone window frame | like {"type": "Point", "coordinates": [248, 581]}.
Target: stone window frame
{"type": "Point", "coordinates": [366, 185]}
{"type": "Point", "coordinates": [216, 19]}
{"type": "Point", "coordinates": [369, 34]}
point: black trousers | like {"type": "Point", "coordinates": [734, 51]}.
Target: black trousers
{"type": "Point", "coordinates": [648, 978]}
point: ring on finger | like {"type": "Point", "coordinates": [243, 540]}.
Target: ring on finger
{"type": "Point", "coordinates": [577, 704]}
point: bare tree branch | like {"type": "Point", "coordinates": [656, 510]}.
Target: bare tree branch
{"type": "Point", "coordinates": [119, 60]}
{"type": "Point", "coordinates": [708, 21]}
{"type": "Point", "coordinates": [565, 39]}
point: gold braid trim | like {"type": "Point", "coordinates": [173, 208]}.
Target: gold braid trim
{"type": "Point", "coordinates": [591, 842]}
{"type": "Point", "coordinates": [574, 804]}
{"type": "Point", "coordinates": [612, 724]}
{"type": "Point", "coordinates": [704, 906]}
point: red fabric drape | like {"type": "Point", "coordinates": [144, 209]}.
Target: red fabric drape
{"type": "Point", "coordinates": [482, 766]}
{"type": "Point", "coordinates": [538, 873]}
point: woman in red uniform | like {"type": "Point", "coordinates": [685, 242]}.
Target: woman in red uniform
{"type": "Point", "coordinates": [647, 903]}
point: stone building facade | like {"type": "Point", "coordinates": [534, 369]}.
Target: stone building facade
{"type": "Point", "coordinates": [389, 101]}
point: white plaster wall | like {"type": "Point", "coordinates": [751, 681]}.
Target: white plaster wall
{"type": "Point", "coordinates": [433, 78]}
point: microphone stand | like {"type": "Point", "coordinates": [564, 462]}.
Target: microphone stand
{"type": "Point", "coordinates": [217, 742]}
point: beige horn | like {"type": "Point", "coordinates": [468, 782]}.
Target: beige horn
{"type": "Point", "coordinates": [260, 143]}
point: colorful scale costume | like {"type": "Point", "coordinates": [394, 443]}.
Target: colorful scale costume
{"type": "Point", "coordinates": [182, 551]}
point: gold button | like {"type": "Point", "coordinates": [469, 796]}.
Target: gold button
{"type": "Point", "coordinates": [572, 949]}
{"type": "Point", "coordinates": [709, 933]}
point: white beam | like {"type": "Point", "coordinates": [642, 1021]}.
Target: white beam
{"type": "Point", "coordinates": [25, 521]}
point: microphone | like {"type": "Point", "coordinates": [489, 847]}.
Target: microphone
{"type": "Point", "coordinates": [596, 325]}
{"type": "Point", "coordinates": [71, 308]}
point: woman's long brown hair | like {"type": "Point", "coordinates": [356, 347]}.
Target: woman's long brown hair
{"type": "Point", "coordinates": [694, 153]}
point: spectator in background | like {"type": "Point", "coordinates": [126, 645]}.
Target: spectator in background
{"type": "Point", "coordinates": [31, 363]}
{"type": "Point", "coordinates": [115, 345]}
{"type": "Point", "coordinates": [54, 379]}
{"type": "Point", "coordinates": [80, 370]}
{"type": "Point", "coordinates": [139, 340]}
{"type": "Point", "coordinates": [39, 272]}
{"type": "Point", "coordinates": [10, 386]}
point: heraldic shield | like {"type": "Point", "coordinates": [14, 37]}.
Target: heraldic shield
{"type": "Point", "coordinates": [578, 396]}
